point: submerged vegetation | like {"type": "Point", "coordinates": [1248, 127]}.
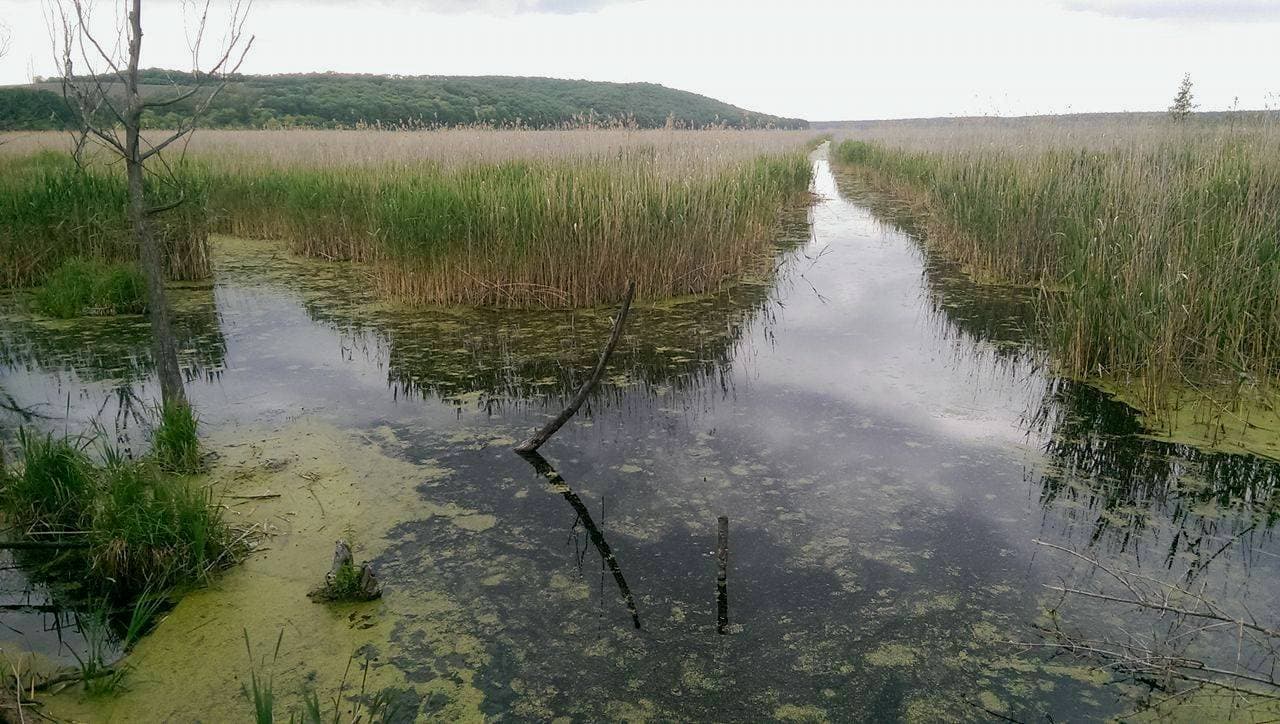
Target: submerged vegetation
{"type": "Point", "coordinates": [552, 220]}
{"type": "Point", "coordinates": [1154, 244]}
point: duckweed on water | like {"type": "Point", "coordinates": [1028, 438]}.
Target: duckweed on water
{"type": "Point", "coordinates": [330, 481]}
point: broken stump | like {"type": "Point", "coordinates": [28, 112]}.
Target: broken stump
{"type": "Point", "coordinates": [345, 581]}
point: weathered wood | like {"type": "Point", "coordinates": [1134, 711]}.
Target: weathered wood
{"type": "Point", "coordinates": [722, 576]}
{"type": "Point", "coordinates": [541, 436]}
{"type": "Point", "coordinates": [342, 558]}
{"type": "Point", "coordinates": [366, 588]}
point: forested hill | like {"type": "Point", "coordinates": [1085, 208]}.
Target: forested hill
{"type": "Point", "coordinates": [332, 100]}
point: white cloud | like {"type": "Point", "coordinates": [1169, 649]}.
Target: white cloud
{"type": "Point", "coordinates": [495, 7]}
{"type": "Point", "coordinates": [1223, 11]}
{"type": "Point", "coordinates": [815, 59]}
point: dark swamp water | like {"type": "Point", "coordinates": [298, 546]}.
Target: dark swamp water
{"type": "Point", "coordinates": [884, 447]}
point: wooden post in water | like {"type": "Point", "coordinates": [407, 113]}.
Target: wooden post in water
{"type": "Point", "coordinates": [722, 577]}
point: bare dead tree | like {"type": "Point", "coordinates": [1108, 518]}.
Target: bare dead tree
{"type": "Point", "coordinates": [101, 82]}
{"type": "Point", "coordinates": [6, 40]}
{"type": "Point", "coordinates": [1189, 643]}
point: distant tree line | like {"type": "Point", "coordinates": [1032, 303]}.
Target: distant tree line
{"type": "Point", "coordinates": [29, 109]}
{"type": "Point", "coordinates": [332, 100]}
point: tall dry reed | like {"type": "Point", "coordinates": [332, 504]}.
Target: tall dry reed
{"type": "Point", "coordinates": [1157, 243]}
{"type": "Point", "coordinates": [504, 218]}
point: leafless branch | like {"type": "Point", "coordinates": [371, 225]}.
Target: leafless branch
{"type": "Point", "coordinates": [107, 95]}
{"type": "Point", "coordinates": [1201, 644]}
{"type": "Point", "coordinates": [96, 74]}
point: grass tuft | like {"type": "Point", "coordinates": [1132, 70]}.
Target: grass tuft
{"type": "Point", "coordinates": [174, 442]}
{"type": "Point", "coordinates": [137, 528]}
{"type": "Point", "coordinates": [52, 490]}
{"type": "Point", "coordinates": [83, 286]}
{"type": "Point", "coordinates": [153, 531]}
{"type": "Point", "coordinates": [1155, 245]}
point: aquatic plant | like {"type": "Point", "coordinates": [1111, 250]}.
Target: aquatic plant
{"type": "Point", "coordinates": [515, 219]}
{"type": "Point", "coordinates": [261, 691]}
{"type": "Point", "coordinates": [127, 526]}
{"type": "Point", "coordinates": [153, 531]}
{"type": "Point", "coordinates": [83, 286]}
{"type": "Point", "coordinates": [385, 705]}
{"type": "Point", "coordinates": [553, 233]}
{"type": "Point", "coordinates": [52, 210]}
{"type": "Point", "coordinates": [175, 444]}
{"type": "Point", "coordinates": [1153, 244]}
{"type": "Point", "coordinates": [53, 487]}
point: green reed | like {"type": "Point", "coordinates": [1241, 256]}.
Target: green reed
{"type": "Point", "coordinates": [1157, 249]}
{"type": "Point", "coordinates": [558, 233]}
{"type": "Point", "coordinates": [51, 211]}
{"type": "Point", "coordinates": [557, 219]}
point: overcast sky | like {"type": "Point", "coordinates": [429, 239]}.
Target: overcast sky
{"type": "Point", "coordinates": [816, 59]}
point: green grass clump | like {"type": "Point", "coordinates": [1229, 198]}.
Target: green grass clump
{"type": "Point", "coordinates": [175, 443]}
{"type": "Point", "coordinates": [152, 530]}
{"type": "Point", "coordinates": [141, 528]}
{"type": "Point", "coordinates": [1156, 247]}
{"type": "Point", "coordinates": [83, 286]}
{"type": "Point", "coordinates": [54, 487]}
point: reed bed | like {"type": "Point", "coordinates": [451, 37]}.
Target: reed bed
{"type": "Point", "coordinates": [675, 150]}
{"type": "Point", "coordinates": [505, 218]}
{"type": "Point", "coordinates": [52, 212]}
{"type": "Point", "coordinates": [1156, 244]}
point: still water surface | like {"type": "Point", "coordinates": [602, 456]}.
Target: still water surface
{"type": "Point", "coordinates": [884, 446]}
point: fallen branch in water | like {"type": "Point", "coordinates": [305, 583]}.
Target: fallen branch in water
{"type": "Point", "coordinates": [1195, 645]}
{"type": "Point", "coordinates": [594, 533]}
{"type": "Point", "coordinates": [541, 436]}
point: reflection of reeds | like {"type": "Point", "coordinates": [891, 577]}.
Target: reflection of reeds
{"type": "Point", "coordinates": [558, 219]}
{"type": "Point", "coordinates": [1134, 491]}
{"type": "Point", "coordinates": [117, 349]}
{"type": "Point", "coordinates": [1160, 238]}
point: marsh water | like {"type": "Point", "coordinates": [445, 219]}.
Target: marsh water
{"type": "Point", "coordinates": [885, 444]}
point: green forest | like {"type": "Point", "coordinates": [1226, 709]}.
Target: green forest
{"type": "Point", "coordinates": [333, 100]}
